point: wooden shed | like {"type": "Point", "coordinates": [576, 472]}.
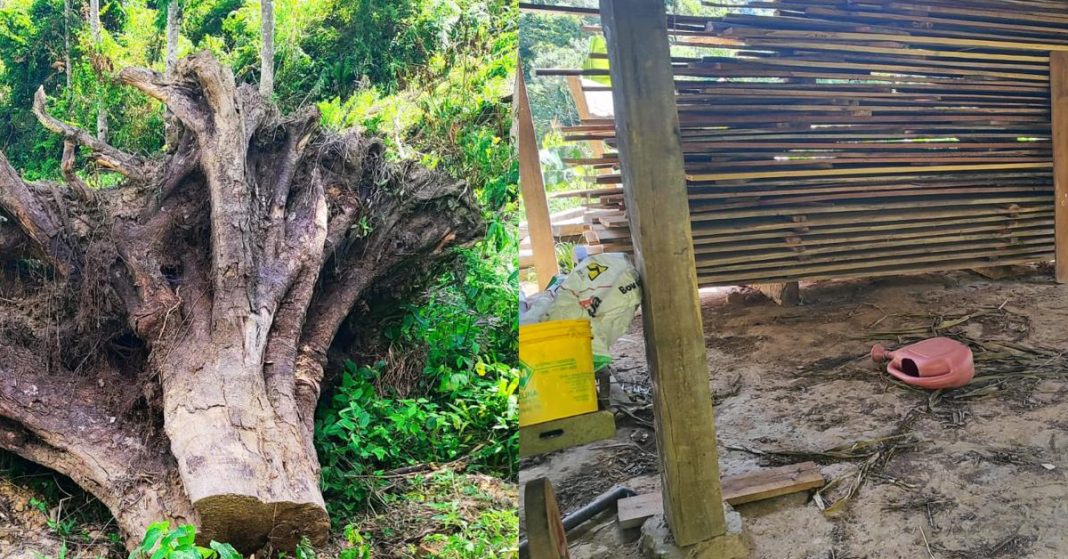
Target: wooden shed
{"type": "Point", "coordinates": [828, 139]}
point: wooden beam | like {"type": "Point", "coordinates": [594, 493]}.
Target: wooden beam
{"type": "Point", "coordinates": [868, 171]}
{"type": "Point", "coordinates": [532, 187]}
{"type": "Point", "coordinates": [560, 10]}
{"type": "Point", "coordinates": [745, 488]}
{"type": "Point", "coordinates": [567, 432]}
{"type": "Point", "coordinates": [650, 148]}
{"type": "Point", "coordinates": [1058, 66]}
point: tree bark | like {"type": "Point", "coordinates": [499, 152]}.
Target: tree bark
{"type": "Point", "coordinates": [66, 47]}
{"type": "Point", "coordinates": [172, 38]}
{"type": "Point", "coordinates": [176, 369]}
{"type": "Point", "coordinates": [172, 130]}
{"type": "Point", "coordinates": [267, 49]}
{"type": "Point", "coordinates": [101, 109]}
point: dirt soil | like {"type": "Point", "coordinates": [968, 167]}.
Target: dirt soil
{"type": "Point", "coordinates": [25, 533]}
{"type": "Point", "coordinates": [977, 472]}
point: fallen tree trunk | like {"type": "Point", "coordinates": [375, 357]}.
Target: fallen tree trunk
{"type": "Point", "coordinates": [163, 342]}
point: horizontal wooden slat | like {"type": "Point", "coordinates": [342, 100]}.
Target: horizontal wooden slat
{"type": "Point", "coordinates": [737, 490]}
{"type": "Point", "coordinates": [834, 138]}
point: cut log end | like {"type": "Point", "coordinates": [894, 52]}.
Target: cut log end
{"type": "Point", "coordinates": [249, 524]}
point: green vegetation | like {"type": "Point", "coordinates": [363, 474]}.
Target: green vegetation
{"type": "Point", "coordinates": [161, 542]}
{"type": "Point", "coordinates": [432, 78]}
{"type": "Point", "coordinates": [67, 511]}
{"type": "Point", "coordinates": [463, 403]}
{"type": "Point", "coordinates": [471, 518]}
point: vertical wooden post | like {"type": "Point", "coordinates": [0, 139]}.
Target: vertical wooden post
{"type": "Point", "coordinates": [532, 187]}
{"type": "Point", "coordinates": [654, 185]}
{"type": "Point", "coordinates": [1058, 80]}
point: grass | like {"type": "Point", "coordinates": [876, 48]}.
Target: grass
{"type": "Point", "coordinates": [444, 514]}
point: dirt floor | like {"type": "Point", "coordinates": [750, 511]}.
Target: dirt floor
{"type": "Point", "coordinates": [977, 472]}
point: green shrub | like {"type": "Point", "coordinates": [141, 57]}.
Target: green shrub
{"type": "Point", "coordinates": [361, 434]}
{"type": "Point", "coordinates": [161, 542]}
{"type": "Point", "coordinates": [453, 116]}
{"type": "Point", "coordinates": [443, 514]}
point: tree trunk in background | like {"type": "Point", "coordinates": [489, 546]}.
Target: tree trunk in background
{"type": "Point", "coordinates": [187, 312]}
{"type": "Point", "coordinates": [66, 48]}
{"type": "Point", "coordinates": [267, 49]}
{"type": "Point", "coordinates": [101, 110]}
{"type": "Point", "coordinates": [172, 37]}
{"type": "Point", "coordinates": [171, 129]}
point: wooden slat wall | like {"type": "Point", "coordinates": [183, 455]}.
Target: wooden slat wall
{"type": "Point", "coordinates": [857, 138]}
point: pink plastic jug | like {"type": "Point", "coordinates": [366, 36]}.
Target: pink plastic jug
{"type": "Point", "coordinates": [933, 363]}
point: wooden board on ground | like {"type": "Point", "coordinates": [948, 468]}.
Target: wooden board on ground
{"type": "Point", "coordinates": [786, 294]}
{"type": "Point", "coordinates": [566, 433]}
{"type": "Point", "coordinates": [995, 272]}
{"type": "Point", "coordinates": [745, 488]}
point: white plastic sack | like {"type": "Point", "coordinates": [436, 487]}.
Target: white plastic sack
{"type": "Point", "coordinates": [537, 306]}
{"type": "Point", "coordinates": [605, 289]}
{"type": "Point", "coordinates": [533, 309]}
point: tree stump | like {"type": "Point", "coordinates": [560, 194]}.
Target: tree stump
{"type": "Point", "coordinates": [163, 342]}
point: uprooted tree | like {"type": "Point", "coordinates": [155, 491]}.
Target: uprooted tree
{"type": "Point", "coordinates": [163, 342]}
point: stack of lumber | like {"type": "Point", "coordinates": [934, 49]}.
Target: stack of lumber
{"type": "Point", "coordinates": [856, 138]}
{"type": "Point", "coordinates": [608, 228]}
{"type": "Point", "coordinates": [569, 226]}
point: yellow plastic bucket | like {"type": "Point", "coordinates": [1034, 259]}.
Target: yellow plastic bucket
{"type": "Point", "coordinates": [556, 364]}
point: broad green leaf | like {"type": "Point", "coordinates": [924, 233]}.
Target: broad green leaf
{"type": "Point", "coordinates": [225, 550]}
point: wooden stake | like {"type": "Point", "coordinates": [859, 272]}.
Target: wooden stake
{"type": "Point", "coordinates": [545, 531]}
{"type": "Point", "coordinates": [650, 150]}
{"type": "Point", "coordinates": [533, 189]}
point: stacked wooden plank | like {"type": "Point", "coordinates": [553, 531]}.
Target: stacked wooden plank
{"type": "Point", "coordinates": [846, 138]}
{"type": "Point", "coordinates": [568, 226]}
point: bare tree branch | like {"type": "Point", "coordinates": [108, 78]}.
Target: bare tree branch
{"type": "Point", "coordinates": [117, 160]}
{"type": "Point", "coordinates": [38, 411]}
{"type": "Point", "coordinates": [176, 96]}
{"type": "Point", "coordinates": [67, 165]}
{"type": "Point", "coordinates": [299, 131]}
{"type": "Point", "coordinates": [184, 160]}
